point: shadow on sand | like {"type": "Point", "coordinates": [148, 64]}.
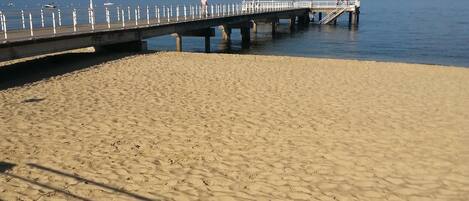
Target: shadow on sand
{"type": "Point", "coordinates": [5, 167]}
{"type": "Point", "coordinates": [30, 71]}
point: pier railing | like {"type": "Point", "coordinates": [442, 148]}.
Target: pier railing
{"type": "Point", "coordinates": [58, 21]}
{"type": "Point", "coordinates": [47, 22]}
{"type": "Point", "coordinates": [302, 3]}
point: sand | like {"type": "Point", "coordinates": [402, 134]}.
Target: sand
{"type": "Point", "coordinates": [187, 126]}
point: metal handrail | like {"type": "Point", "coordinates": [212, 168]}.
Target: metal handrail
{"type": "Point", "coordinates": [35, 23]}
{"type": "Point", "coordinates": [67, 20]}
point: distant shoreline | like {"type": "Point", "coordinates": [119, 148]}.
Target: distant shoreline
{"type": "Point", "coordinates": [91, 50]}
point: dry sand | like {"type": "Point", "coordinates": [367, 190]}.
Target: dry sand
{"type": "Point", "coordinates": [182, 126]}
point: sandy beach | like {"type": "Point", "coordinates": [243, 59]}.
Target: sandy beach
{"type": "Point", "coordinates": [188, 126]}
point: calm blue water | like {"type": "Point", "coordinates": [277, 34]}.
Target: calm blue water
{"type": "Point", "coordinates": [415, 31]}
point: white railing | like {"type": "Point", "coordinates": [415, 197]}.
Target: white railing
{"type": "Point", "coordinates": [302, 3]}
{"type": "Point", "coordinates": [42, 22]}
{"type": "Point", "coordinates": [332, 15]}
{"type": "Point", "coordinates": [335, 4]}
{"type": "Point", "coordinates": [33, 23]}
{"type": "Point", "coordinates": [260, 6]}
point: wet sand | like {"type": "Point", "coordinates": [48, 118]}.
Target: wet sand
{"type": "Point", "coordinates": [186, 126]}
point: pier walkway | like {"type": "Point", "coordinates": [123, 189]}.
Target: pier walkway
{"type": "Point", "coordinates": [42, 31]}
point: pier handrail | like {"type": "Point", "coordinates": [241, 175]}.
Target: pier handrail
{"type": "Point", "coordinates": [305, 3]}
{"type": "Point", "coordinates": [41, 22]}
{"type": "Point", "coordinates": [47, 22]}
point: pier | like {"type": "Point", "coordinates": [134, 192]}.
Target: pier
{"type": "Point", "coordinates": [124, 28]}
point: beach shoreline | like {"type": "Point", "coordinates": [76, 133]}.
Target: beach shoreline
{"type": "Point", "coordinates": [188, 126]}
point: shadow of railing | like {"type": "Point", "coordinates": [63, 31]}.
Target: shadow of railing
{"type": "Point", "coordinates": [81, 179]}
{"type": "Point", "coordinates": [46, 186]}
{"type": "Point", "coordinates": [5, 167]}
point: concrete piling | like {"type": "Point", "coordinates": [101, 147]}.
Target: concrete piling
{"type": "Point", "coordinates": [274, 26]}
{"type": "Point", "coordinates": [207, 44]}
{"type": "Point", "coordinates": [292, 23]}
{"type": "Point", "coordinates": [226, 33]}
{"type": "Point", "coordinates": [178, 42]}
{"type": "Point", "coordinates": [245, 37]}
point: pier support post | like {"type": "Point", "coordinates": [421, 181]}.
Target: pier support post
{"type": "Point", "coordinates": [207, 43]}
{"type": "Point", "coordinates": [274, 26]}
{"type": "Point", "coordinates": [350, 18]}
{"type": "Point", "coordinates": [254, 27]}
{"type": "Point", "coordinates": [357, 12]}
{"type": "Point", "coordinates": [226, 33]}
{"type": "Point", "coordinates": [133, 46]}
{"type": "Point", "coordinates": [245, 36]}
{"type": "Point", "coordinates": [306, 19]}
{"type": "Point", "coordinates": [303, 19]}
{"type": "Point", "coordinates": [320, 16]}
{"type": "Point", "coordinates": [205, 33]}
{"type": "Point", "coordinates": [178, 42]}
{"type": "Point", "coordinates": [292, 23]}
{"type": "Point", "coordinates": [354, 17]}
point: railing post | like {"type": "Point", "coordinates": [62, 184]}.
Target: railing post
{"type": "Point", "coordinates": [128, 13]}
{"type": "Point", "coordinates": [185, 13]}
{"type": "Point", "coordinates": [169, 14]}
{"type": "Point", "coordinates": [108, 18]}
{"type": "Point", "coordinates": [148, 15]}
{"type": "Point", "coordinates": [22, 19]}
{"type": "Point", "coordinates": [136, 17]}
{"type": "Point", "coordinates": [211, 10]}
{"type": "Point", "coordinates": [158, 14]}
{"type": "Point", "coordinates": [92, 19]}
{"type": "Point", "coordinates": [42, 18]}
{"type": "Point", "coordinates": [53, 22]}
{"type": "Point", "coordinates": [164, 11]}
{"type": "Point", "coordinates": [171, 10]}
{"type": "Point", "coordinates": [31, 25]}
{"type": "Point", "coordinates": [177, 13]}
{"type": "Point", "coordinates": [118, 13]}
{"type": "Point", "coordinates": [193, 12]}
{"type": "Point", "coordinates": [89, 16]}
{"type": "Point", "coordinates": [200, 11]}
{"type": "Point", "coordinates": [74, 19]}
{"type": "Point", "coordinates": [1, 20]}
{"type": "Point", "coordinates": [123, 18]}
{"type": "Point", "coordinates": [204, 11]}
{"type": "Point", "coordinates": [60, 17]}
{"type": "Point", "coordinates": [138, 12]}
{"type": "Point", "coordinates": [4, 19]}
